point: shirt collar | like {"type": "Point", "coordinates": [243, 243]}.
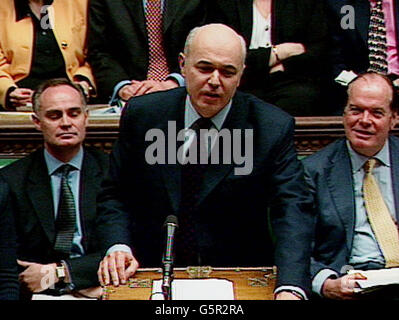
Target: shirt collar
{"type": "Point", "coordinates": [22, 9]}
{"type": "Point", "coordinates": [359, 160]}
{"type": "Point", "coordinates": [53, 163]}
{"type": "Point", "coordinates": [191, 115]}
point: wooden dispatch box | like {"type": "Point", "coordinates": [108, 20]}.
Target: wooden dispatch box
{"type": "Point", "coordinates": [250, 283]}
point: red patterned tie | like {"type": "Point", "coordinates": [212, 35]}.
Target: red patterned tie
{"type": "Point", "coordinates": [158, 66]}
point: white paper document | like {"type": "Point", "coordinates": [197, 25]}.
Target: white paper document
{"type": "Point", "coordinates": [377, 278]}
{"type": "Point", "coordinates": [196, 289]}
{"type": "Point", "coordinates": [345, 77]}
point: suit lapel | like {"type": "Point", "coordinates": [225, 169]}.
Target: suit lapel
{"type": "Point", "coordinates": [245, 12]}
{"type": "Point", "coordinates": [171, 173]}
{"type": "Point", "coordinates": [216, 172]}
{"type": "Point", "coordinates": [90, 175]}
{"type": "Point", "coordinates": [40, 194]}
{"type": "Point", "coordinates": [394, 149]}
{"type": "Point", "coordinates": [362, 17]}
{"type": "Point", "coordinates": [340, 184]}
{"type": "Point", "coordinates": [277, 11]}
{"type": "Point", "coordinates": [396, 12]}
{"type": "Point", "coordinates": [136, 10]}
{"type": "Point", "coordinates": [170, 12]}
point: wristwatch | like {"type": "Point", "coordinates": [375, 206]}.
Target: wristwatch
{"type": "Point", "coordinates": [60, 271]}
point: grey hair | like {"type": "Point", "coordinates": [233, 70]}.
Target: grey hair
{"type": "Point", "coordinates": [194, 32]}
{"type": "Point", "coordinates": [55, 83]}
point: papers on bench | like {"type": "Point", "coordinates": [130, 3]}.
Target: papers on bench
{"type": "Point", "coordinates": [376, 279]}
{"type": "Point", "coordinates": [196, 289]}
{"type": "Point", "coordinates": [345, 77]}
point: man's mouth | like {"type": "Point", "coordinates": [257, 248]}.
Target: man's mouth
{"type": "Point", "coordinates": [67, 135]}
{"type": "Point", "coordinates": [363, 133]}
{"type": "Point", "coordinates": [211, 95]}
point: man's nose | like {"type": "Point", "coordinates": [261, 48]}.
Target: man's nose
{"type": "Point", "coordinates": [365, 118]}
{"type": "Point", "coordinates": [214, 80]}
{"type": "Point", "coordinates": [65, 120]}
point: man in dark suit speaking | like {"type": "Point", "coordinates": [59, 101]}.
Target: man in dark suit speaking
{"type": "Point", "coordinates": [348, 230]}
{"type": "Point", "coordinates": [223, 214]}
{"type": "Point", "coordinates": [53, 194]}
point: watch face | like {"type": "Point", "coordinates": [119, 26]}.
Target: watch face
{"type": "Point", "coordinates": [60, 272]}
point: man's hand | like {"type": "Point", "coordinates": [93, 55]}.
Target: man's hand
{"type": "Point", "coordinates": [86, 87]}
{"type": "Point", "coordinates": [20, 97]}
{"type": "Point", "coordinates": [138, 88]}
{"type": "Point", "coordinates": [341, 288]}
{"type": "Point", "coordinates": [286, 295]}
{"type": "Point", "coordinates": [289, 49]}
{"type": "Point", "coordinates": [277, 67]}
{"type": "Point", "coordinates": [118, 266]}
{"type": "Point", "coordinates": [37, 277]}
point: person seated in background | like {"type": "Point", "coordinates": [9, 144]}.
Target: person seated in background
{"type": "Point", "coordinates": [287, 42]}
{"type": "Point", "coordinates": [134, 45]}
{"type": "Point", "coordinates": [364, 37]}
{"type": "Point", "coordinates": [40, 40]}
{"type": "Point", "coordinates": [53, 194]}
{"type": "Point", "coordinates": [222, 207]}
{"type": "Point", "coordinates": [9, 285]}
{"type": "Point", "coordinates": [354, 182]}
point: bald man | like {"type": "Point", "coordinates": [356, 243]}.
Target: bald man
{"type": "Point", "coordinates": [221, 205]}
{"type": "Point", "coordinates": [345, 239]}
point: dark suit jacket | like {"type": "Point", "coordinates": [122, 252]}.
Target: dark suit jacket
{"type": "Point", "coordinates": [232, 224]}
{"type": "Point", "coordinates": [329, 176]}
{"type": "Point", "coordinates": [31, 197]}
{"type": "Point", "coordinates": [118, 43]}
{"type": "Point", "coordinates": [9, 285]}
{"type": "Point", "coordinates": [292, 21]}
{"type": "Point", "coordinates": [349, 49]}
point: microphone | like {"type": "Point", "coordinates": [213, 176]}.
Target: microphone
{"type": "Point", "coordinates": [167, 261]}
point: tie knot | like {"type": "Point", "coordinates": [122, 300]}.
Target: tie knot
{"type": "Point", "coordinates": [202, 123]}
{"type": "Point", "coordinates": [369, 165]}
{"type": "Point", "coordinates": [65, 169]}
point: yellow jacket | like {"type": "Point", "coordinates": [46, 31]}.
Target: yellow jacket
{"type": "Point", "coordinates": [69, 21]}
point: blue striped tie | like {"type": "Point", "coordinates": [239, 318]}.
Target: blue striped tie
{"type": "Point", "coordinates": [65, 223]}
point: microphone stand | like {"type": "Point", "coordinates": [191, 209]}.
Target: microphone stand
{"type": "Point", "coordinates": [167, 279]}
{"type": "Point", "coordinates": [167, 261]}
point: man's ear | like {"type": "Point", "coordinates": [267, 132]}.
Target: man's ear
{"type": "Point", "coordinates": [182, 61]}
{"type": "Point", "coordinates": [36, 121]}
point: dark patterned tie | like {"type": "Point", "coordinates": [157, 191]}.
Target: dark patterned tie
{"type": "Point", "coordinates": [377, 42]}
{"type": "Point", "coordinates": [157, 65]}
{"type": "Point", "coordinates": [192, 178]}
{"type": "Point", "coordinates": [65, 223]}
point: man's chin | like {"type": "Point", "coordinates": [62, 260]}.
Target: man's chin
{"type": "Point", "coordinates": [364, 147]}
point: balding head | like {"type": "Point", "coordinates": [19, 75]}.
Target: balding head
{"type": "Point", "coordinates": [216, 33]}
{"type": "Point", "coordinates": [369, 115]}
{"type": "Point", "coordinates": [372, 80]}
{"type": "Point", "coordinates": [213, 64]}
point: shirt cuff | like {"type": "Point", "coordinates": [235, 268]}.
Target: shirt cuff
{"type": "Point", "coordinates": [178, 78]}
{"type": "Point", "coordinates": [320, 278]}
{"type": "Point", "coordinates": [291, 288]}
{"type": "Point", "coordinates": [115, 98]}
{"type": "Point", "coordinates": [119, 247]}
